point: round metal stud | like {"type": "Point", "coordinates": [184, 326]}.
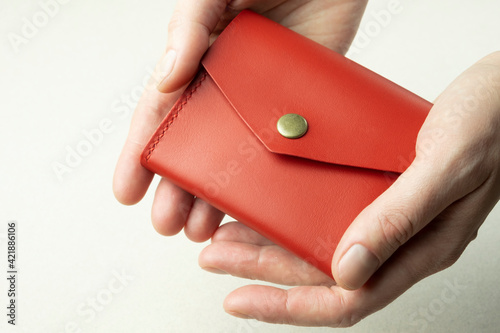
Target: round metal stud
{"type": "Point", "coordinates": [292, 126]}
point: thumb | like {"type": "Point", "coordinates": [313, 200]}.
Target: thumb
{"type": "Point", "coordinates": [440, 175]}
{"type": "Point", "coordinates": [414, 200]}
{"type": "Point", "coordinates": [188, 39]}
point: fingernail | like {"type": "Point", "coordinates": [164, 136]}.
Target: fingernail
{"type": "Point", "coordinates": [214, 270]}
{"type": "Point", "coordinates": [356, 266]}
{"type": "Point", "coordinates": [166, 66]}
{"type": "Point", "coordinates": [239, 315]}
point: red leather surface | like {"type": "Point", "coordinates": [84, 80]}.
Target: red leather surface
{"type": "Point", "coordinates": [211, 142]}
{"type": "Point", "coordinates": [356, 117]}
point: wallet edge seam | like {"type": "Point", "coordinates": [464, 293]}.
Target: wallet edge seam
{"type": "Point", "coordinates": [173, 116]}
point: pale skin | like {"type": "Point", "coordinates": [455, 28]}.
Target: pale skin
{"type": "Point", "coordinates": [419, 226]}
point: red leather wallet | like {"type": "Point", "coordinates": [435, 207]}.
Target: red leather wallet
{"type": "Point", "coordinates": [227, 139]}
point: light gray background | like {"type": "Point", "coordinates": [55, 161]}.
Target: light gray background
{"type": "Point", "coordinates": [74, 237]}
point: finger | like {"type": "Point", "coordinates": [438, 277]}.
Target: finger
{"type": "Point", "coordinates": [171, 207]}
{"type": "Point", "coordinates": [238, 232]}
{"type": "Point", "coordinates": [202, 221]}
{"type": "Point", "coordinates": [194, 21]}
{"type": "Point", "coordinates": [404, 209]}
{"type": "Point", "coordinates": [447, 168]}
{"type": "Point", "coordinates": [453, 229]}
{"type": "Point", "coordinates": [131, 180]}
{"type": "Point", "coordinates": [423, 255]}
{"type": "Point", "coordinates": [188, 39]}
{"type": "Point", "coordinates": [300, 306]}
{"type": "Point", "coordinates": [190, 33]}
{"type": "Point", "coordinates": [267, 263]}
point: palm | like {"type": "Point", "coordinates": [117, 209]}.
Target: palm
{"type": "Point", "coordinates": [316, 300]}
{"type": "Point", "coordinates": [241, 252]}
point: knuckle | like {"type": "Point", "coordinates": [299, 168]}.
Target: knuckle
{"type": "Point", "coordinates": [176, 22]}
{"type": "Point", "coordinates": [151, 113]}
{"type": "Point", "coordinates": [352, 319]}
{"type": "Point", "coordinates": [443, 258]}
{"type": "Point", "coordinates": [449, 258]}
{"type": "Point", "coordinates": [238, 5]}
{"type": "Point", "coordinates": [223, 233]}
{"type": "Point", "coordinates": [397, 228]}
{"type": "Point", "coordinates": [452, 255]}
{"type": "Point", "coordinates": [180, 22]}
{"type": "Point", "coordinates": [349, 312]}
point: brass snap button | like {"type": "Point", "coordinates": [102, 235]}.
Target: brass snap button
{"type": "Point", "coordinates": [292, 126]}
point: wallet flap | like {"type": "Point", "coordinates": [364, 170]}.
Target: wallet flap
{"type": "Point", "coordinates": [355, 117]}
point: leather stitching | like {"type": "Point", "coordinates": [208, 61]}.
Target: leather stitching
{"type": "Point", "coordinates": [187, 96]}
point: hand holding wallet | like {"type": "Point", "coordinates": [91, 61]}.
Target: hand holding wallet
{"type": "Point", "coordinates": [286, 136]}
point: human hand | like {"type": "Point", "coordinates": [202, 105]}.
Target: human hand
{"type": "Point", "coordinates": [195, 24]}
{"type": "Point", "coordinates": [419, 226]}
